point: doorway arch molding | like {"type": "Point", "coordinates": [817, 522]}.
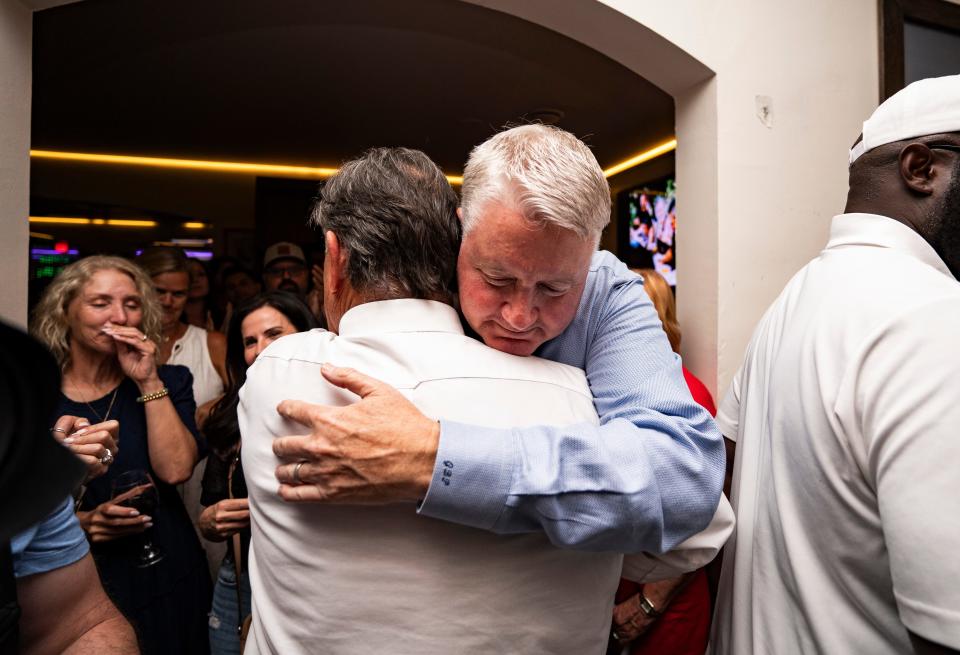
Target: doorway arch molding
{"type": "Point", "coordinates": [590, 22]}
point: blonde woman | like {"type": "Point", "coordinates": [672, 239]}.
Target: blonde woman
{"type": "Point", "coordinates": [101, 320]}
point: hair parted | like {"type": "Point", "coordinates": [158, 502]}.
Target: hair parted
{"type": "Point", "coordinates": [158, 260]}
{"type": "Point", "coordinates": [394, 212]}
{"type": "Point", "coordinates": [546, 174]}
{"type": "Point", "coordinates": [662, 297]}
{"type": "Point", "coordinates": [50, 323]}
{"type": "Point", "coordinates": [221, 427]}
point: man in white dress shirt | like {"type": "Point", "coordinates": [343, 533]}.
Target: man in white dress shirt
{"type": "Point", "coordinates": [846, 413]}
{"type": "Point", "coordinates": [380, 578]}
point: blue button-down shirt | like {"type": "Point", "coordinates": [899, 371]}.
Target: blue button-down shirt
{"type": "Point", "coordinates": [644, 480]}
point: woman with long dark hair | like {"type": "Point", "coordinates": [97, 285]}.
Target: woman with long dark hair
{"type": "Point", "coordinates": [252, 328]}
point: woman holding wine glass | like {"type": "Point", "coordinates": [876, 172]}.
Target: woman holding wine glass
{"type": "Point", "coordinates": [101, 320]}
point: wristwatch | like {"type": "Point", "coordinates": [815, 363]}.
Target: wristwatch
{"type": "Point", "coordinates": [648, 607]}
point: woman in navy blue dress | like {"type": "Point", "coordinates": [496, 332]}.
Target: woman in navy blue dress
{"type": "Point", "coordinates": [101, 320]}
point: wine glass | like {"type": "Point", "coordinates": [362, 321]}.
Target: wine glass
{"type": "Point", "coordinates": [135, 488]}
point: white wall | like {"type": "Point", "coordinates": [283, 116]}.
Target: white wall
{"type": "Point", "coordinates": [16, 26]}
{"type": "Point", "coordinates": [778, 186]}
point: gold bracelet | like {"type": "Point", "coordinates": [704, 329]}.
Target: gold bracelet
{"type": "Point", "coordinates": [147, 397]}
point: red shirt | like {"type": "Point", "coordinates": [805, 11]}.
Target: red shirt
{"type": "Point", "coordinates": [684, 627]}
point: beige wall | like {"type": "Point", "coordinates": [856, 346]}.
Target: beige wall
{"type": "Point", "coordinates": [16, 22]}
{"type": "Point", "coordinates": [778, 186]}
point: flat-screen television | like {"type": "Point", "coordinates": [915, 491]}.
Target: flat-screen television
{"type": "Point", "coordinates": [647, 227]}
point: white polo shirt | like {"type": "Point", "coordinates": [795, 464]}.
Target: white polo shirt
{"type": "Point", "coordinates": [353, 579]}
{"type": "Point", "coordinates": [846, 413]}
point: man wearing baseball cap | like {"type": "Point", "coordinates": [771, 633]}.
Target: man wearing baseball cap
{"type": "Point", "coordinates": [285, 269]}
{"type": "Point", "coordinates": [846, 412]}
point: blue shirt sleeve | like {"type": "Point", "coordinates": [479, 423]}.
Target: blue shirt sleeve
{"type": "Point", "coordinates": [55, 542]}
{"type": "Point", "coordinates": [647, 478]}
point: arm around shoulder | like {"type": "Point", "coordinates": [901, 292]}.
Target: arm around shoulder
{"type": "Point", "coordinates": [648, 477]}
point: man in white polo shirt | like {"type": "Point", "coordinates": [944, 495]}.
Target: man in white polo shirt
{"type": "Point", "coordinates": [846, 414]}
{"type": "Point", "coordinates": [381, 578]}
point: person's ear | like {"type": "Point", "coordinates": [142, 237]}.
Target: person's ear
{"type": "Point", "coordinates": [919, 169]}
{"type": "Point", "coordinates": [460, 214]}
{"type": "Point", "coordinates": [334, 263]}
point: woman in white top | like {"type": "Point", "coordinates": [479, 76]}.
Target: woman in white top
{"type": "Point", "coordinates": [202, 351]}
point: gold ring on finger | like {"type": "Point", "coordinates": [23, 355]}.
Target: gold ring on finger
{"type": "Point", "coordinates": [296, 471]}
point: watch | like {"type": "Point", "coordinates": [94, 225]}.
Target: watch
{"type": "Point", "coordinates": [648, 607]}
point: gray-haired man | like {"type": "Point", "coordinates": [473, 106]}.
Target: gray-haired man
{"type": "Point", "coordinates": [534, 204]}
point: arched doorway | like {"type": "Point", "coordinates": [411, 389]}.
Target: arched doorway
{"type": "Point", "coordinates": [592, 23]}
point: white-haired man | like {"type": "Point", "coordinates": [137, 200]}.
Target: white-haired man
{"type": "Point", "coordinates": [845, 415]}
{"type": "Point", "coordinates": [341, 580]}
{"type": "Point", "coordinates": [534, 204]}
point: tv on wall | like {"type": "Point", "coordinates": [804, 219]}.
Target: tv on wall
{"type": "Point", "coordinates": [647, 227]}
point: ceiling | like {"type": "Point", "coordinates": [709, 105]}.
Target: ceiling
{"type": "Point", "coordinates": [314, 82]}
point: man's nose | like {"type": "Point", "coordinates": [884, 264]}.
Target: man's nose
{"type": "Point", "coordinates": [520, 314]}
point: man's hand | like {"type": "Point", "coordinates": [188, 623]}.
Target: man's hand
{"type": "Point", "coordinates": [629, 620]}
{"type": "Point", "coordinates": [378, 450]}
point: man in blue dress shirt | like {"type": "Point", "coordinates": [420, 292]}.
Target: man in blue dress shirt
{"type": "Point", "coordinates": [534, 204]}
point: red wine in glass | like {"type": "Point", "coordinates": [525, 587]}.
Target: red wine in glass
{"type": "Point", "coordinates": [135, 488]}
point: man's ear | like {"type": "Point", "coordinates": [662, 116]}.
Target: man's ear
{"type": "Point", "coordinates": [334, 263]}
{"type": "Point", "coordinates": [919, 169]}
{"type": "Point", "coordinates": [460, 214]}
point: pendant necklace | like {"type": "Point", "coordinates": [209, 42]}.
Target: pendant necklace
{"type": "Point", "coordinates": [113, 399]}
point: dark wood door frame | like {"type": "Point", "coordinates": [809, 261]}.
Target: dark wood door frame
{"type": "Point", "coordinates": [893, 13]}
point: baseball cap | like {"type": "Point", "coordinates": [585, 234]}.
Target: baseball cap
{"type": "Point", "coordinates": [930, 106]}
{"type": "Point", "coordinates": [283, 250]}
{"type": "Point", "coordinates": [36, 473]}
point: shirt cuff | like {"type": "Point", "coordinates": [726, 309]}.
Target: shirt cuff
{"type": "Point", "coordinates": [471, 476]}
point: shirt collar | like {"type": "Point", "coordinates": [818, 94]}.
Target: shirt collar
{"type": "Point", "coordinates": [402, 315]}
{"type": "Point", "coordinates": [883, 232]}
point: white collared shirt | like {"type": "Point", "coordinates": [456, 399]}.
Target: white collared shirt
{"type": "Point", "coordinates": [352, 579]}
{"type": "Point", "coordinates": [846, 414]}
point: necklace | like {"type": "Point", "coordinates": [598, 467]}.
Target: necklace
{"type": "Point", "coordinates": [113, 399]}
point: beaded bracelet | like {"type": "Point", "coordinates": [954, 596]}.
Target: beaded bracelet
{"type": "Point", "coordinates": [147, 397]}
